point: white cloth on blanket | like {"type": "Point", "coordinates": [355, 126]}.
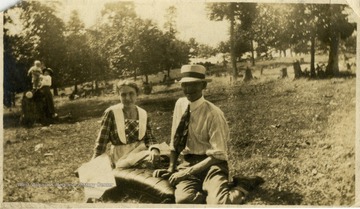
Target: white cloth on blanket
{"type": "Point", "coordinates": [96, 176]}
{"type": "Point", "coordinates": [132, 158]}
{"type": "Point", "coordinates": [140, 154]}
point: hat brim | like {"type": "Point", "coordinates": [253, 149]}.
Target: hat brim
{"type": "Point", "coordinates": [48, 70]}
{"type": "Point", "coordinates": [191, 79]}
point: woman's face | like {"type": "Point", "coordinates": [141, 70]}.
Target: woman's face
{"type": "Point", "coordinates": [128, 96]}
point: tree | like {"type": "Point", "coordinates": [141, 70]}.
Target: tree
{"type": "Point", "coordinates": [223, 47]}
{"type": "Point", "coordinates": [99, 66]}
{"type": "Point", "coordinates": [194, 47]}
{"type": "Point", "coordinates": [243, 43]}
{"type": "Point", "coordinates": [303, 23]}
{"type": "Point", "coordinates": [206, 51]}
{"type": "Point", "coordinates": [170, 23]}
{"type": "Point", "coordinates": [270, 28]}
{"type": "Point", "coordinates": [242, 14]}
{"type": "Point", "coordinates": [333, 25]}
{"type": "Point", "coordinates": [245, 34]}
{"type": "Point", "coordinates": [46, 28]}
{"type": "Point", "coordinates": [77, 52]}
{"type": "Point", "coordinates": [114, 36]}
{"type": "Point", "coordinates": [175, 52]}
{"type": "Point", "coordinates": [228, 11]}
{"type": "Point", "coordinates": [41, 36]}
{"type": "Point", "coordinates": [15, 76]}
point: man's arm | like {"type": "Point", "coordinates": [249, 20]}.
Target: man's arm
{"type": "Point", "coordinates": [197, 168]}
{"type": "Point", "coordinates": [202, 165]}
{"type": "Point", "coordinates": [173, 159]}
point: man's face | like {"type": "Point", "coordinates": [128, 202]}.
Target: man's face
{"type": "Point", "coordinates": [193, 90]}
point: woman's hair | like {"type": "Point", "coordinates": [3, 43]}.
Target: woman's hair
{"type": "Point", "coordinates": [123, 83]}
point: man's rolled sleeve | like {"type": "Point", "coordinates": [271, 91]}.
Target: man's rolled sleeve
{"type": "Point", "coordinates": [219, 135]}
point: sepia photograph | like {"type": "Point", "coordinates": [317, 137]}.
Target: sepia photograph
{"type": "Point", "coordinates": [164, 103]}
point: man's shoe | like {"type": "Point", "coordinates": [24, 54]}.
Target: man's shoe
{"type": "Point", "coordinates": [94, 200]}
{"type": "Point", "coordinates": [247, 183]}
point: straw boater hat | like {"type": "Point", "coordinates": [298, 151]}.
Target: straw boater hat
{"type": "Point", "coordinates": [193, 73]}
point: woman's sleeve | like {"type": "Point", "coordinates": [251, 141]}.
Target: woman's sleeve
{"type": "Point", "coordinates": [149, 139]}
{"type": "Point", "coordinates": [104, 133]}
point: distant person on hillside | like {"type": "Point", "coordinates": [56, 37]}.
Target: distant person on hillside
{"type": "Point", "coordinates": [199, 137]}
{"type": "Point", "coordinates": [35, 72]}
{"type": "Point", "coordinates": [45, 84]}
{"type": "Point", "coordinates": [127, 127]}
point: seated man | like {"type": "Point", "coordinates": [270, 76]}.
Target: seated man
{"type": "Point", "coordinates": [199, 137]}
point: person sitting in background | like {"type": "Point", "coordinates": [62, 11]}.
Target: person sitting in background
{"type": "Point", "coordinates": [127, 127]}
{"type": "Point", "coordinates": [35, 72]}
{"type": "Point", "coordinates": [199, 137]}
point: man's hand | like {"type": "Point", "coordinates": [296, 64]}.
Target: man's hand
{"type": "Point", "coordinates": [175, 178]}
{"type": "Point", "coordinates": [162, 173]}
{"type": "Point", "coordinates": [154, 157]}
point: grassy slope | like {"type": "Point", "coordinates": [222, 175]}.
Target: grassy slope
{"type": "Point", "coordinates": [298, 135]}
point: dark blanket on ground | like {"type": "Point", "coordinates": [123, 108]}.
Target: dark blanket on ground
{"type": "Point", "coordinates": [141, 185]}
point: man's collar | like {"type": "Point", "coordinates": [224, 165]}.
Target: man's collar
{"type": "Point", "coordinates": [197, 103]}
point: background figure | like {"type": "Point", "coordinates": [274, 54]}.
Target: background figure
{"type": "Point", "coordinates": [35, 72]}
{"type": "Point", "coordinates": [45, 83]}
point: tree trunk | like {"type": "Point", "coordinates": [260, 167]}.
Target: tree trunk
{"type": "Point", "coordinates": [135, 75]}
{"type": "Point", "coordinates": [312, 60]}
{"type": "Point", "coordinates": [75, 88]}
{"type": "Point", "coordinates": [297, 69]}
{"type": "Point", "coordinates": [232, 41]}
{"type": "Point", "coordinates": [284, 51]}
{"type": "Point", "coordinates": [147, 87]}
{"type": "Point", "coordinates": [332, 68]}
{"type": "Point", "coordinates": [56, 92]}
{"type": "Point", "coordinates": [96, 85]}
{"type": "Point", "coordinates": [248, 74]}
{"type": "Point", "coordinates": [168, 73]}
{"type": "Point", "coordinates": [283, 73]}
{"type": "Point", "coordinates": [252, 53]}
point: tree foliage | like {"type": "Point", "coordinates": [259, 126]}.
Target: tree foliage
{"type": "Point", "coordinates": [235, 13]}
{"type": "Point", "coordinates": [122, 44]}
{"type": "Point", "coordinates": [77, 51]}
{"type": "Point", "coordinates": [333, 26]}
{"type": "Point", "coordinates": [41, 38]}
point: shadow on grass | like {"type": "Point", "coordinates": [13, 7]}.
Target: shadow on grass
{"type": "Point", "coordinates": [275, 197]}
{"type": "Point", "coordinates": [262, 196]}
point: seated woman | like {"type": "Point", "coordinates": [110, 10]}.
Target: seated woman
{"type": "Point", "coordinates": [126, 127]}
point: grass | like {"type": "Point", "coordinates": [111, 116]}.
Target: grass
{"type": "Point", "coordinates": [297, 134]}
